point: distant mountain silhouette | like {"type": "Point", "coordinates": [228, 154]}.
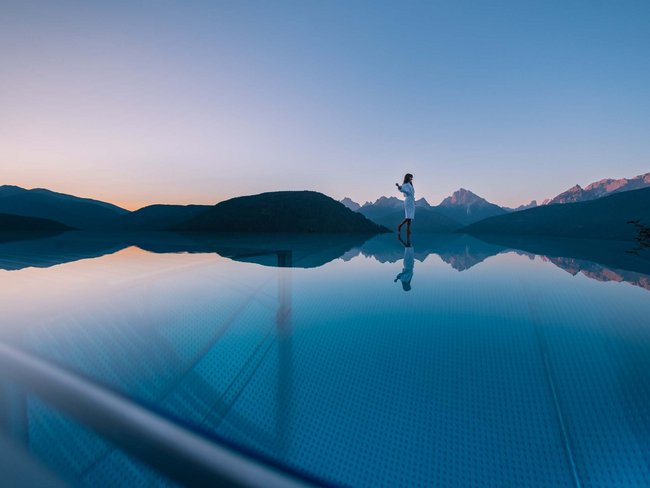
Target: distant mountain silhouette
{"type": "Point", "coordinates": [385, 203]}
{"type": "Point", "coordinates": [389, 212]}
{"type": "Point", "coordinates": [82, 213]}
{"type": "Point", "coordinates": [422, 203]}
{"type": "Point", "coordinates": [467, 207]}
{"type": "Point", "coordinates": [601, 189]}
{"type": "Point", "coordinates": [157, 217]}
{"type": "Point", "coordinates": [351, 204]}
{"type": "Point", "coordinates": [605, 218]}
{"type": "Point", "coordinates": [283, 211]}
{"type": "Point", "coordinates": [526, 206]}
{"type": "Point", "coordinates": [391, 203]}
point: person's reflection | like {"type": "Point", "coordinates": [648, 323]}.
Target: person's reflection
{"type": "Point", "coordinates": [409, 260]}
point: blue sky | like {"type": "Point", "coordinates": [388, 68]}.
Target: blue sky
{"type": "Point", "coordinates": [179, 102]}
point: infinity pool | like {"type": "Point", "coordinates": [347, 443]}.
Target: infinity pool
{"type": "Point", "coordinates": [446, 361]}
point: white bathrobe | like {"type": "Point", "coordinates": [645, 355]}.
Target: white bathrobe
{"type": "Point", "coordinates": [409, 200]}
{"type": "Point", "coordinates": [407, 271]}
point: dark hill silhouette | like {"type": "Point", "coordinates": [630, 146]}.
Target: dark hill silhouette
{"type": "Point", "coordinates": [158, 217]}
{"type": "Point", "coordinates": [20, 228]}
{"type": "Point", "coordinates": [604, 218]}
{"type": "Point", "coordinates": [82, 213]}
{"type": "Point", "coordinates": [20, 223]}
{"type": "Point", "coordinates": [283, 211]}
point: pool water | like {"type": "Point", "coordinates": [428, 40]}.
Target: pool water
{"type": "Point", "coordinates": [446, 361]}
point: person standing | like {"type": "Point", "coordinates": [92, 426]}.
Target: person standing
{"type": "Point", "coordinates": [409, 202]}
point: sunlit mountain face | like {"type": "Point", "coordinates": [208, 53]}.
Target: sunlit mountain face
{"type": "Point", "coordinates": [601, 188]}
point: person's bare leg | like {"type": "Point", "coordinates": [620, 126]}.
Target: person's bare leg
{"type": "Point", "coordinates": [399, 227]}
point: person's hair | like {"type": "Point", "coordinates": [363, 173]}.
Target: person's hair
{"type": "Point", "coordinates": [407, 178]}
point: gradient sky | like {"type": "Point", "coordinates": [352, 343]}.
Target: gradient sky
{"type": "Point", "coordinates": [183, 101]}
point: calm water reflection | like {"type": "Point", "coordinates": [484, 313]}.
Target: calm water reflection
{"type": "Point", "coordinates": [508, 363]}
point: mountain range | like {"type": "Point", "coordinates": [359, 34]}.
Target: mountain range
{"type": "Point", "coordinates": [601, 188]}
{"type": "Point", "coordinates": [464, 207]}
{"type": "Point", "coordinates": [467, 207]}
{"type": "Point", "coordinates": [590, 212]}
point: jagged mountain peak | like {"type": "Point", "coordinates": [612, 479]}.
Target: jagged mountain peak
{"type": "Point", "coordinates": [422, 202]}
{"type": "Point", "coordinates": [384, 201]}
{"type": "Point", "coordinates": [351, 204]}
{"type": "Point", "coordinates": [462, 197]}
{"type": "Point", "coordinates": [601, 188]}
{"type": "Point", "coordinates": [526, 206]}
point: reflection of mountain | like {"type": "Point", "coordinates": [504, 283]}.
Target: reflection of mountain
{"type": "Point", "coordinates": [600, 260]}
{"type": "Point", "coordinates": [606, 260]}
{"type": "Point", "coordinates": [597, 272]}
{"type": "Point", "coordinates": [461, 251]}
{"type": "Point", "coordinates": [27, 235]}
{"type": "Point", "coordinates": [295, 250]}
{"type": "Point", "coordinates": [58, 249]}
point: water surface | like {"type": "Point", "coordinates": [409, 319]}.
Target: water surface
{"type": "Point", "coordinates": [446, 361]}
